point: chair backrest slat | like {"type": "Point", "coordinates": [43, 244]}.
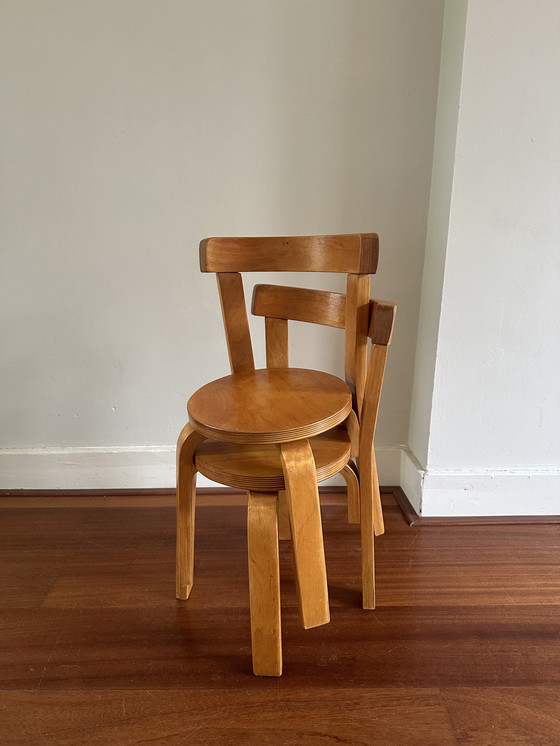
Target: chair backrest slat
{"type": "Point", "coordinates": [234, 312]}
{"type": "Point", "coordinates": [300, 304]}
{"type": "Point", "coordinates": [276, 331]}
{"type": "Point", "coordinates": [356, 252]}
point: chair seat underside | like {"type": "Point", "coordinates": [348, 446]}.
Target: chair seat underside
{"type": "Point", "coordinates": [259, 468]}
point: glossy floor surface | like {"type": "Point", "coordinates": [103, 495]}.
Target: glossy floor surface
{"type": "Point", "coordinates": [464, 647]}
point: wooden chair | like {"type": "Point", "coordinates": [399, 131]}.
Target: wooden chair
{"type": "Point", "coordinates": [271, 431]}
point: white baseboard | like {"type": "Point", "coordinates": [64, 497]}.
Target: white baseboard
{"type": "Point", "coordinates": [87, 468]}
{"type": "Point", "coordinates": [445, 493]}
{"type": "Point", "coordinates": [491, 493]}
{"type": "Point", "coordinates": [411, 478]}
{"type": "Point", "coordinates": [129, 467]}
{"type": "Point", "coordinates": [431, 493]}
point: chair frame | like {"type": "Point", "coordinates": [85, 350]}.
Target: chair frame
{"type": "Point", "coordinates": [271, 515]}
{"type": "Point", "coordinates": [278, 304]}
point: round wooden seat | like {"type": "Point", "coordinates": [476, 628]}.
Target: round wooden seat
{"type": "Point", "coordinates": [259, 468]}
{"type": "Point", "coordinates": [272, 405]}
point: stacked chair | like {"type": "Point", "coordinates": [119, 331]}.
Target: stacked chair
{"type": "Point", "coordinates": [277, 432]}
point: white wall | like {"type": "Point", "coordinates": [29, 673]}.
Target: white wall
{"type": "Point", "coordinates": [493, 437]}
{"type": "Point", "coordinates": [443, 171]}
{"type": "Point", "coordinates": [133, 128]}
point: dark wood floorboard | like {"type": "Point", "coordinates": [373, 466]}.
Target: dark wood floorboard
{"type": "Point", "coordinates": [464, 647]}
{"type": "Point", "coordinates": [297, 716]}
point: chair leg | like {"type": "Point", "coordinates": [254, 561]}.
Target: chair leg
{"type": "Point", "coordinates": [367, 471]}
{"type": "Point", "coordinates": [353, 489]}
{"type": "Point", "coordinates": [264, 583]}
{"type": "Point", "coordinates": [353, 429]}
{"type": "Point", "coordinates": [284, 530]}
{"type": "Point", "coordinates": [378, 522]}
{"type": "Point", "coordinates": [300, 478]}
{"type": "Point", "coordinates": [371, 483]}
{"type": "Point", "coordinates": [188, 440]}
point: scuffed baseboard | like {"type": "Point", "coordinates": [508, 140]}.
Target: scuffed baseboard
{"type": "Point", "coordinates": [468, 493]}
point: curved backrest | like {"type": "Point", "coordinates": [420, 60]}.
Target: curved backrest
{"type": "Point", "coordinates": [321, 307]}
{"type": "Point", "coordinates": [354, 254]}
{"type": "Point", "coordinates": [300, 304]}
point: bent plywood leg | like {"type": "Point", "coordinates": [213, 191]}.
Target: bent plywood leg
{"type": "Point", "coordinates": [186, 496]}
{"type": "Point", "coordinates": [353, 490]}
{"type": "Point", "coordinates": [302, 493]}
{"type": "Point", "coordinates": [367, 468]}
{"type": "Point", "coordinates": [379, 525]}
{"type": "Point", "coordinates": [353, 429]}
{"type": "Point", "coordinates": [284, 531]}
{"type": "Point", "coordinates": [264, 583]}
{"type": "Point", "coordinates": [374, 494]}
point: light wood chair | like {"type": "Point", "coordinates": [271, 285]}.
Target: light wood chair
{"type": "Point", "coordinates": [277, 431]}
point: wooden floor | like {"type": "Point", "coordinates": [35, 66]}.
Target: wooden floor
{"type": "Point", "coordinates": [464, 647]}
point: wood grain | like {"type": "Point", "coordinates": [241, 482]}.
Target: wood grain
{"type": "Point", "coordinates": [187, 442]}
{"type": "Point", "coordinates": [258, 467]}
{"type": "Point", "coordinates": [276, 338]}
{"type": "Point", "coordinates": [353, 428]}
{"type": "Point", "coordinates": [371, 515]}
{"type": "Point", "coordinates": [163, 498]}
{"type": "Point", "coordinates": [463, 644]}
{"type": "Point", "coordinates": [264, 583]}
{"type": "Point", "coordinates": [355, 252]}
{"type": "Point", "coordinates": [200, 646]}
{"type": "Point", "coordinates": [380, 330]}
{"type": "Point", "coordinates": [307, 533]}
{"type": "Point", "coordinates": [267, 717]}
{"type": "Point", "coordinates": [284, 530]}
{"type": "Point", "coordinates": [525, 716]}
{"type": "Point", "coordinates": [286, 406]}
{"type": "Point", "coordinates": [300, 304]}
{"type": "Point", "coordinates": [269, 405]}
{"type": "Point", "coordinates": [357, 326]}
{"type": "Point", "coordinates": [382, 322]}
{"type": "Point", "coordinates": [236, 324]}
{"type": "Point", "coordinates": [353, 487]}
{"type": "Point", "coordinates": [369, 480]}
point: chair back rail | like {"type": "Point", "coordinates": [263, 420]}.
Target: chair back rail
{"type": "Point", "coordinates": [355, 253]}
{"type": "Point", "coordinates": [300, 304]}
